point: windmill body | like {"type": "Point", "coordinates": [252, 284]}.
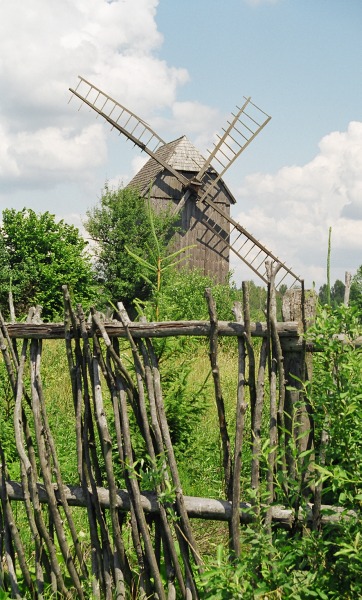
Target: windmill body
{"type": "Point", "coordinates": [180, 177]}
{"type": "Point", "coordinates": [209, 252]}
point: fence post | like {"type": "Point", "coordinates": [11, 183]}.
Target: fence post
{"type": "Point", "coordinates": [300, 307]}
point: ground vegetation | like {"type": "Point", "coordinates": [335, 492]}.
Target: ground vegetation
{"type": "Point", "coordinates": [38, 255]}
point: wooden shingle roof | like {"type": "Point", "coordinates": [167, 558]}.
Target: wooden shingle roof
{"type": "Point", "coordinates": [181, 155]}
{"type": "Point", "coordinates": [185, 156]}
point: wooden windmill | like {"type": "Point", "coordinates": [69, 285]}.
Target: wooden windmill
{"type": "Point", "coordinates": [179, 174]}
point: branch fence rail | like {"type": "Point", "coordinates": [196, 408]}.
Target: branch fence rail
{"type": "Point", "coordinates": [165, 561]}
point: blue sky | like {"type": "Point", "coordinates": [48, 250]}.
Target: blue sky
{"type": "Point", "coordinates": [183, 66]}
{"type": "Point", "coordinates": [301, 61]}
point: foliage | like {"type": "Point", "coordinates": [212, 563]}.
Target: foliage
{"type": "Point", "coordinates": [184, 404]}
{"type": "Point", "coordinates": [37, 256]}
{"type": "Point", "coordinates": [323, 565]}
{"type": "Point", "coordinates": [356, 290]}
{"type": "Point", "coordinates": [159, 262]}
{"type": "Point", "coordinates": [122, 220]}
{"type": "Point", "coordinates": [336, 293]}
{"type": "Point", "coordinates": [337, 398]}
{"type": "Point", "coordinates": [7, 440]}
{"type": "Point", "coordinates": [183, 297]}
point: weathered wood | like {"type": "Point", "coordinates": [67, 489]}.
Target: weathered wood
{"type": "Point", "coordinates": [298, 366]}
{"type": "Point", "coordinates": [241, 407]}
{"type": "Point", "coordinates": [151, 330]}
{"type": "Point", "coordinates": [197, 508]}
{"type": "Point", "coordinates": [112, 511]}
{"type": "Point", "coordinates": [220, 404]}
{"type": "Point", "coordinates": [272, 270]}
{"type": "Point", "coordinates": [347, 288]}
{"type": "Point", "coordinates": [257, 419]}
{"type": "Point", "coordinates": [289, 332]}
{"type": "Point", "coordinates": [46, 448]}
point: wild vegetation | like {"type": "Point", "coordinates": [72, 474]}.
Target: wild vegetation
{"type": "Point", "coordinates": [124, 225]}
{"type": "Point", "coordinates": [307, 561]}
{"type": "Point", "coordinates": [37, 256]}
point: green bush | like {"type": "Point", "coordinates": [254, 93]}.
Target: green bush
{"type": "Point", "coordinates": [184, 404]}
{"type": "Point", "coordinates": [337, 399]}
{"type": "Point", "coordinates": [119, 222]}
{"type": "Point", "coordinates": [37, 257]}
{"type": "Point", "coordinates": [324, 565]}
{"type": "Point", "coordinates": [182, 297]}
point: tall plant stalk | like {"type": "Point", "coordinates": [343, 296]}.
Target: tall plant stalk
{"type": "Point", "coordinates": [329, 267]}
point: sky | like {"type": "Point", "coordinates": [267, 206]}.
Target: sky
{"type": "Point", "coordinates": [183, 67]}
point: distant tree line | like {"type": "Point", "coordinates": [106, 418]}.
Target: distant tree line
{"type": "Point", "coordinates": [337, 292]}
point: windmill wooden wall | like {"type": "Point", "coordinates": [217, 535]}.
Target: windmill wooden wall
{"type": "Point", "coordinates": [210, 254]}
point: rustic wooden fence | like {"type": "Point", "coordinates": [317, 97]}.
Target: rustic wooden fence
{"type": "Point", "coordinates": [165, 560]}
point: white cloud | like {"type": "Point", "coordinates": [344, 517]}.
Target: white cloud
{"type": "Point", "coordinates": [43, 47]}
{"type": "Point", "coordinates": [292, 210]}
{"type": "Point", "coordinates": [138, 162]}
{"type": "Point", "coordinates": [55, 152]}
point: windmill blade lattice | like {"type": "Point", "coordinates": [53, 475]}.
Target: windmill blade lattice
{"type": "Point", "coordinates": [242, 129]}
{"type": "Point", "coordinates": [118, 116]}
{"type": "Point", "coordinates": [124, 121]}
{"type": "Point", "coordinates": [246, 247]}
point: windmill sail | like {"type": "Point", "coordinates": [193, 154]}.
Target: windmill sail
{"type": "Point", "coordinates": [246, 247]}
{"type": "Point", "coordinates": [122, 119]}
{"type": "Point", "coordinates": [243, 127]}
{"type": "Point", "coordinates": [118, 116]}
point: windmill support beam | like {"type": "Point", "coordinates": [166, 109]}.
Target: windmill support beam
{"type": "Point", "coordinates": [182, 202]}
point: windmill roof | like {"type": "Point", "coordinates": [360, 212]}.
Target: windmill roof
{"type": "Point", "coordinates": [185, 157]}
{"type": "Point", "coordinates": [180, 154]}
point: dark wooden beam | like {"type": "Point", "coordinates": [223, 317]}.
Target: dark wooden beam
{"type": "Point", "coordinates": [148, 330]}
{"type": "Point", "coordinates": [197, 508]}
{"type": "Point", "coordinates": [289, 332]}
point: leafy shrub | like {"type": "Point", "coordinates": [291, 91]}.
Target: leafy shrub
{"type": "Point", "coordinates": [183, 297]}
{"type": "Point", "coordinates": [7, 440]}
{"type": "Point", "coordinates": [324, 565]}
{"type": "Point", "coordinates": [120, 221]}
{"type": "Point", "coordinates": [184, 404]}
{"type": "Point", "coordinates": [337, 399]}
{"type": "Point", "coordinates": [37, 257]}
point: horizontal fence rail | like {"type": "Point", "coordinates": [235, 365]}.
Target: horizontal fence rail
{"type": "Point", "coordinates": [157, 329]}
{"type": "Point", "coordinates": [196, 507]}
{"type": "Point", "coordinates": [290, 332]}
